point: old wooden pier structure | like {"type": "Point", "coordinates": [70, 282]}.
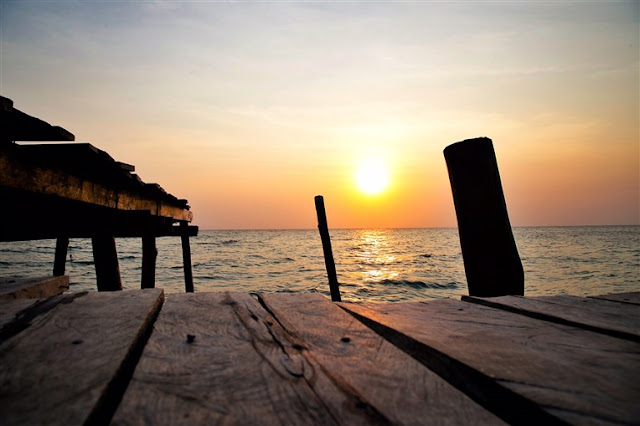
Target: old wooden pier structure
{"type": "Point", "coordinates": [133, 358]}
{"type": "Point", "coordinates": [140, 357]}
{"type": "Point", "coordinates": [75, 190]}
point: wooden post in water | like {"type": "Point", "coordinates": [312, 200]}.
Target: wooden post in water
{"type": "Point", "coordinates": [149, 255]}
{"type": "Point", "coordinates": [326, 247]}
{"type": "Point", "coordinates": [186, 257]}
{"type": "Point", "coordinates": [491, 261]}
{"type": "Point", "coordinates": [60, 260]}
{"type": "Point", "coordinates": [105, 258]}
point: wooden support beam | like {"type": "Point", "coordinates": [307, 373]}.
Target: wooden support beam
{"type": "Point", "coordinates": [149, 255]}
{"type": "Point", "coordinates": [491, 261]}
{"type": "Point", "coordinates": [186, 258]}
{"type": "Point", "coordinates": [326, 247]}
{"type": "Point", "coordinates": [59, 263]}
{"type": "Point", "coordinates": [105, 258]}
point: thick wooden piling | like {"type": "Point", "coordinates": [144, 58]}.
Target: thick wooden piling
{"type": "Point", "coordinates": [491, 261]}
{"type": "Point", "coordinates": [60, 260]}
{"type": "Point", "coordinates": [326, 247]}
{"type": "Point", "coordinates": [149, 255]}
{"type": "Point", "coordinates": [105, 258]}
{"type": "Point", "coordinates": [186, 257]}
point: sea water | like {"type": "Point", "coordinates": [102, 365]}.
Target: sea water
{"type": "Point", "coordinates": [386, 265]}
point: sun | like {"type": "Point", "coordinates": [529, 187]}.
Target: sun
{"type": "Point", "coordinates": [372, 176]}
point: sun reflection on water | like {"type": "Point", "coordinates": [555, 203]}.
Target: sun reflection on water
{"type": "Point", "coordinates": [376, 255]}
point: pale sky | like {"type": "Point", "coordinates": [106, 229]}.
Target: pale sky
{"type": "Point", "coordinates": [250, 109]}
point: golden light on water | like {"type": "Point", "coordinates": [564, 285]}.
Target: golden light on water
{"type": "Point", "coordinates": [372, 176]}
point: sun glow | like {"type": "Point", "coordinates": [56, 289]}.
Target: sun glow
{"type": "Point", "coordinates": [372, 176]}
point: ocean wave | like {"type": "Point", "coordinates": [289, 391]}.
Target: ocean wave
{"type": "Point", "coordinates": [419, 284]}
{"type": "Point", "coordinates": [81, 262]}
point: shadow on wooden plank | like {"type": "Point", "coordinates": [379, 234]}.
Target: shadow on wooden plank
{"type": "Point", "coordinates": [570, 374]}
{"type": "Point", "coordinates": [72, 356]}
{"type": "Point", "coordinates": [600, 316]}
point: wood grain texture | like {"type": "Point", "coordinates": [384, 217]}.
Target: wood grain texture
{"type": "Point", "coordinates": [32, 288]}
{"type": "Point", "coordinates": [18, 171]}
{"type": "Point", "coordinates": [570, 373]}
{"type": "Point", "coordinates": [363, 363]}
{"type": "Point", "coordinates": [239, 367]}
{"type": "Point", "coordinates": [601, 316]}
{"type": "Point", "coordinates": [632, 297]}
{"type": "Point", "coordinates": [10, 309]}
{"type": "Point", "coordinates": [69, 364]}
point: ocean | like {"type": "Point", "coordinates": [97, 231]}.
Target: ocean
{"type": "Point", "coordinates": [386, 265]}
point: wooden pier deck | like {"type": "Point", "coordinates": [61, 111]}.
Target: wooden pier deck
{"type": "Point", "coordinates": [132, 357]}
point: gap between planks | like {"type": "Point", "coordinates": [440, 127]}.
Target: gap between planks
{"type": "Point", "coordinates": [574, 375]}
{"type": "Point", "coordinates": [621, 320]}
{"type": "Point", "coordinates": [281, 359]}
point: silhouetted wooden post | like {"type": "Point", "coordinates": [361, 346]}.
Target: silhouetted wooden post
{"type": "Point", "coordinates": [105, 258]}
{"type": "Point", "coordinates": [326, 247]}
{"type": "Point", "coordinates": [491, 261]}
{"type": "Point", "coordinates": [149, 255]}
{"type": "Point", "coordinates": [60, 260]}
{"type": "Point", "coordinates": [186, 257]}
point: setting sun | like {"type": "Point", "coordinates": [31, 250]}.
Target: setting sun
{"type": "Point", "coordinates": [372, 177]}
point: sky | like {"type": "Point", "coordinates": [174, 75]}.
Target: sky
{"type": "Point", "coordinates": [250, 109]}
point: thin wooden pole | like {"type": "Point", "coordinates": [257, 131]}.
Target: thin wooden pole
{"type": "Point", "coordinates": [326, 247]}
{"type": "Point", "coordinates": [59, 263]}
{"type": "Point", "coordinates": [186, 257]}
{"type": "Point", "coordinates": [105, 258]}
{"type": "Point", "coordinates": [491, 261]}
{"type": "Point", "coordinates": [149, 255]}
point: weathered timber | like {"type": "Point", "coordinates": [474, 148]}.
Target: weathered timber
{"type": "Point", "coordinates": [60, 259]}
{"type": "Point", "coordinates": [149, 255]}
{"type": "Point", "coordinates": [11, 309]}
{"type": "Point", "coordinates": [632, 298]}
{"type": "Point", "coordinates": [491, 261]}
{"type": "Point", "coordinates": [74, 219]}
{"type": "Point", "coordinates": [70, 363]}
{"type": "Point", "coordinates": [186, 258]}
{"type": "Point", "coordinates": [363, 364]}
{"type": "Point", "coordinates": [105, 258]}
{"type": "Point", "coordinates": [15, 125]}
{"type": "Point", "coordinates": [81, 172]}
{"type": "Point", "coordinates": [326, 248]}
{"type": "Point", "coordinates": [239, 366]}
{"type": "Point", "coordinates": [180, 230]}
{"type": "Point", "coordinates": [505, 360]}
{"type": "Point", "coordinates": [32, 288]}
{"type": "Point", "coordinates": [602, 316]}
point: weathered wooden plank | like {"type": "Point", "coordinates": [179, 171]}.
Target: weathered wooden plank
{"type": "Point", "coordinates": [238, 367]}
{"type": "Point", "coordinates": [18, 172]}
{"type": "Point", "coordinates": [68, 359]}
{"type": "Point", "coordinates": [11, 309]}
{"type": "Point", "coordinates": [18, 126]}
{"type": "Point", "coordinates": [601, 316]}
{"type": "Point", "coordinates": [363, 363]}
{"type": "Point", "coordinates": [32, 288]}
{"type": "Point", "coordinates": [573, 374]}
{"type": "Point", "coordinates": [632, 297]}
